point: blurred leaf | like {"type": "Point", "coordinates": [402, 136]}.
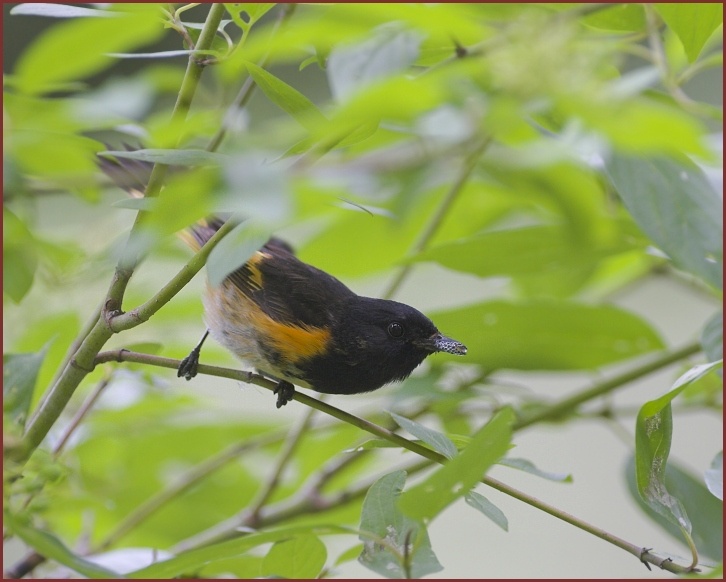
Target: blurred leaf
{"type": "Point", "coordinates": [456, 478]}
{"type": "Point", "coordinates": [256, 188]}
{"type": "Point", "coordinates": [704, 510]}
{"type": "Point", "coordinates": [482, 504]}
{"type": "Point", "coordinates": [349, 554]}
{"type": "Point", "coordinates": [75, 49]}
{"type": "Point", "coordinates": [676, 206]}
{"type": "Point", "coordinates": [171, 157]}
{"type": "Point", "coordinates": [53, 331]}
{"type": "Point", "coordinates": [287, 98]}
{"type": "Point", "coordinates": [547, 334]}
{"type": "Point", "coordinates": [243, 567]}
{"type": "Point", "coordinates": [437, 441]}
{"type": "Point", "coordinates": [653, 434]}
{"type": "Point", "coordinates": [20, 259]}
{"type": "Point", "coordinates": [20, 374]}
{"type": "Point", "coordinates": [300, 557]}
{"type": "Point", "coordinates": [643, 126]}
{"type": "Point", "coordinates": [619, 17]}
{"type": "Point", "coordinates": [712, 337]}
{"type": "Point", "coordinates": [51, 547]}
{"type": "Point", "coordinates": [521, 252]}
{"type": "Point", "coordinates": [694, 23]}
{"type": "Point", "coordinates": [235, 249]}
{"type": "Point", "coordinates": [354, 66]}
{"type": "Point", "coordinates": [714, 476]}
{"type": "Point", "coordinates": [58, 10]}
{"type": "Point", "coordinates": [192, 560]}
{"type": "Point", "coordinates": [381, 516]}
{"type": "Point", "coordinates": [529, 467]}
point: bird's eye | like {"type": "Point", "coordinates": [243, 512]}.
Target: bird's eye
{"type": "Point", "coordinates": [395, 329]}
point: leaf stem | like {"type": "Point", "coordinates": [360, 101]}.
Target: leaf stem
{"type": "Point", "coordinates": [566, 405]}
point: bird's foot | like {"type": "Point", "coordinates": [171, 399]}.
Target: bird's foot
{"type": "Point", "coordinates": [189, 365]}
{"type": "Point", "coordinates": [285, 391]}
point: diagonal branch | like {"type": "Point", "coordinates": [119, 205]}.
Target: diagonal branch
{"type": "Point", "coordinates": [642, 553]}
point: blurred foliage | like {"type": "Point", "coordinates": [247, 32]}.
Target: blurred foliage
{"type": "Point", "coordinates": [552, 149]}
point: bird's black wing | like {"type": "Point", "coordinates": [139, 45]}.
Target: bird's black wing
{"type": "Point", "coordinates": [289, 290]}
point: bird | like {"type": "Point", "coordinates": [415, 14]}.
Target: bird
{"type": "Point", "coordinates": [300, 326]}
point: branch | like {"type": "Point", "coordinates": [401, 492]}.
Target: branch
{"type": "Point", "coordinates": [82, 362]}
{"type": "Point", "coordinates": [567, 405]}
{"type": "Point", "coordinates": [438, 217]}
{"type": "Point", "coordinates": [642, 553]}
{"type": "Point", "coordinates": [131, 319]}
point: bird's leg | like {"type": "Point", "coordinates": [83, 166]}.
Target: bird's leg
{"type": "Point", "coordinates": [189, 365]}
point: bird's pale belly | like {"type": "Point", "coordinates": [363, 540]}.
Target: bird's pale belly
{"type": "Point", "coordinates": [238, 334]}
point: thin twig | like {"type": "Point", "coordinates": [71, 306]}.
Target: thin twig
{"type": "Point", "coordinates": [188, 480]}
{"type": "Point", "coordinates": [438, 217]}
{"type": "Point", "coordinates": [567, 405]}
{"type": "Point", "coordinates": [252, 513]}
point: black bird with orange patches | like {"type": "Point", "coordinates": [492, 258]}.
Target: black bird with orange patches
{"type": "Point", "coordinates": [300, 325]}
{"type": "Point", "coordinates": [297, 324]}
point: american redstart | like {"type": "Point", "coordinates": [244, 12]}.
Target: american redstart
{"type": "Point", "coordinates": [299, 325]}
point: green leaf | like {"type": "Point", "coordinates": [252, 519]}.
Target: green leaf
{"type": "Point", "coordinates": [456, 478]}
{"type": "Point", "coordinates": [380, 516]}
{"type": "Point", "coordinates": [235, 249]}
{"type": "Point", "coordinates": [301, 557]}
{"type": "Point", "coordinates": [349, 554]}
{"type": "Point", "coordinates": [693, 23]}
{"type": "Point", "coordinates": [482, 504]}
{"type": "Point", "coordinates": [20, 258]}
{"type": "Point", "coordinates": [351, 67]}
{"type": "Point", "coordinates": [171, 157]}
{"type": "Point", "coordinates": [705, 511]}
{"type": "Point", "coordinates": [51, 547]}
{"type": "Point", "coordinates": [618, 17]}
{"type": "Point", "coordinates": [712, 337]}
{"type": "Point", "coordinates": [58, 11]}
{"type": "Point", "coordinates": [547, 334]}
{"type": "Point", "coordinates": [714, 476]}
{"type": "Point", "coordinates": [521, 252]}
{"type": "Point", "coordinates": [653, 434]}
{"type": "Point", "coordinates": [437, 441]}
{"type": "Point", "coordinates": [676, 206]}
{"type": "Point", "coordinates": [20, 374]}
{"type": "Point", "coordinates": [75, 49]}
{"type": "Point", "coordinates": [529, 467]}
{"type": "Point", "coordinates": [192, 560]}
{"type": "Point", "coordinates": [287, 98]}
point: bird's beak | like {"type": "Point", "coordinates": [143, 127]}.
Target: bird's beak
{"type": "Point", "coordinates": [441, 343]}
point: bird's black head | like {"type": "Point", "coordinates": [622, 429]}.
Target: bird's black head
{"type": "Point", "coordinates": [375, 342]}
